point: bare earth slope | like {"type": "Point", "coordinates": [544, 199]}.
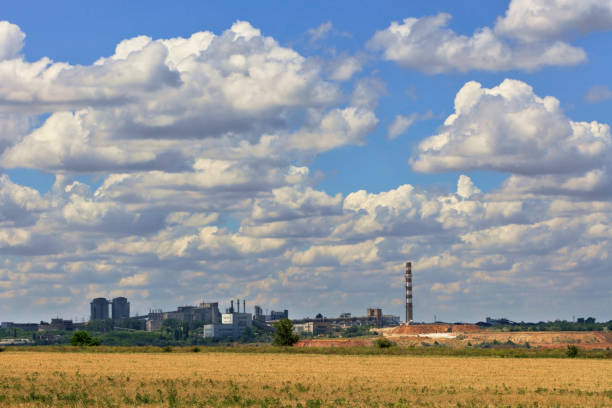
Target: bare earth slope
{"type": "Point", "coordinates": [465, 334]}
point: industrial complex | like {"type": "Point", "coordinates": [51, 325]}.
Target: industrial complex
{"type": "Point", "coordinates": [206, 322]}
{"type": "Point", "coordinates": [215, 324]}
{"type": "Point", "coordinates": [235, 320]}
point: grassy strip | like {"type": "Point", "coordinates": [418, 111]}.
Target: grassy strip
{"type": "Point", "coordinates": [502, 352]}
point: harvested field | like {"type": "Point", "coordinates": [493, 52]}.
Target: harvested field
{"type": "Point", "coordinates": [274, 380]}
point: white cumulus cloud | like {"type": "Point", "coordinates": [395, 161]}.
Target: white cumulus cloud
{"type": "Point", "coordinates": [428, 45]}
{"type": "Point", "coordinates": [11, 40]}
{"type": "Point", "coordinates": [509, 128]}
{"type": "Point", "coordinates": [541, 20]}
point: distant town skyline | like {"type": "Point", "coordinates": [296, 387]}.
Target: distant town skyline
{"type": "Point", "coordinates": [298, 154]}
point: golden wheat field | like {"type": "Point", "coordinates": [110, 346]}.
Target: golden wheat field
{"type": "Point", "coordinates": [288, 380]}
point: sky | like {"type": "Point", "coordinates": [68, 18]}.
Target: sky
{"type": "Point", "coordinates": [297, 154]}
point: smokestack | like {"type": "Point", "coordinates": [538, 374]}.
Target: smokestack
{"type": "Point", "coordinates": [408, 292]}
{"type": "Point", "coordinates": [243, 305]}
{"type": "Point", "coordinates": [232, 306]}
{"type": "Point", "coordinates": [238, 304]}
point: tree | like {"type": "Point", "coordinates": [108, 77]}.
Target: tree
{"type": "Point", "coordinates": [248, 335]}
{"type": "Point", "coordinates": [283, 333]}
{"type": "Point", "coordinates": [82, 338]}
{"type": "Point", "coordinates": [356, 331]}
{"type": "Point", "coordinates": [101, 325]}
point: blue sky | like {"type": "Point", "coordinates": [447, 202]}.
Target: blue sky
{"type": "Point", "coordinates": [321, 145]}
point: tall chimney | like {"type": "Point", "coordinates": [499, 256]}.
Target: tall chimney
{"type": "Point", "coordinates": [243, 305]}
{"type": "Point", "coordinates": [238, 304]}
{"type": "Point", "coordinates": [408, 292]}
{"type": "Point", "coordinates": [232, 307]}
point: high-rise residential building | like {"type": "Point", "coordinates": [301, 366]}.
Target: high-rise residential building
{"type": "Point", "coordinates": [120, 308]}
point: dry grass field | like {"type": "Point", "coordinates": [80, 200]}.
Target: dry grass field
{"type": "Point", "coordinates": [32, 379]}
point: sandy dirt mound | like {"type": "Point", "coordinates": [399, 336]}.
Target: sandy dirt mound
{"type": "Point", "coordinates": [560, 339]}
{"type": "Point", "coordinates": [584, 340]}
{"type": "Point", "coordinates": [432, 328]}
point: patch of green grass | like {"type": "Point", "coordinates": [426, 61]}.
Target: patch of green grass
{"type": "Point", "coordinates": [490, 350]}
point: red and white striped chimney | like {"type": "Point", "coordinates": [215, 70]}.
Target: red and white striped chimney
{"type": "Point", "coordinates": [408, 292]}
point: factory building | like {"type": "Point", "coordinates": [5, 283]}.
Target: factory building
{"type": "Point", "coordinates": [153, 325]}
{"type": "Point", "coordinates": [205, 313]}
{"type": "Point", "coordinates": [232, 325]}
{"type": "Point", "coordinates": [237, 319]}
{"type": "Point", "coordinates": [259, 316]}
{"type": "Point", "coordinates": [120, 308]}
{"type": "Point", "coordinates": [218, 331]}
{"type": "Point", "coordinates": [56, 325]}
{"type": "Point", "coordinates": [390, 320]}
{"type": "Point", "coordinates": [313, 328]}
{"type": "Point", "coordinates": [182, 313]}
{"type": "Point", "coordinates": [273, 316]}
{"type": "Point", "coordinates": [209, 312]}
{"type": "Point", "coordinates": [21, 326]}
{"type": "Point", "coordinates": [374, 317]}
{"type": "Point", "coordinates": [99, 309]}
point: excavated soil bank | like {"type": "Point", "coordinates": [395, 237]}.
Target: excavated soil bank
{"type": "Point", "coordinates": [335, 343]}
{"type": "Point", "coordinates": [432, 328]}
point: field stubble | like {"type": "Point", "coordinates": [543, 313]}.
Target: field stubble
{"type": "Point", "coordinates": [280, 380]}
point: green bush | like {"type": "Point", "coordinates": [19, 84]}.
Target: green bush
{"type": "Point", "coordinates": [572, 351]}
{"type": "Point", "coordinates": [356, 331]}
{"type": "Point", "coordinates": [383, 343]}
